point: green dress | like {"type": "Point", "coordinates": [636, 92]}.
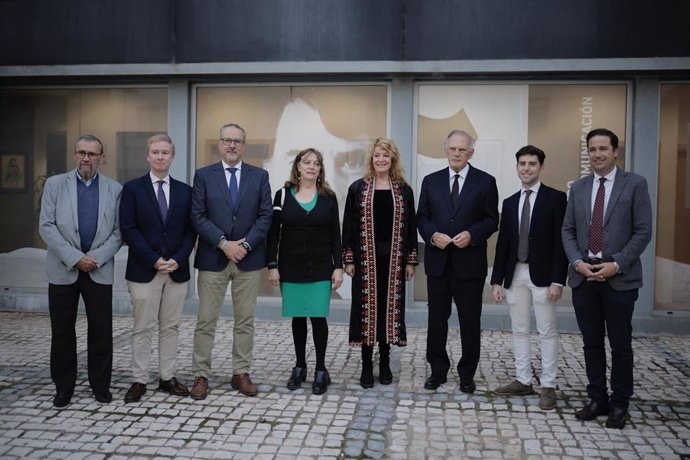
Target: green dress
{"type": "Point", "coordinates": [306, 299]}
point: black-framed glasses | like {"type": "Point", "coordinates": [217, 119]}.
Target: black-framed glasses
{"type": "Point", "coordinates": [81, 154]}
{"type": "Point", "coordinates": [229, 141]}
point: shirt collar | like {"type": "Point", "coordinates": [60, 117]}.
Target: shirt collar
{"type": "Point", "coordinates": [226, 166]}
{"type": "Point", "coordinates": [610, 176]}
{"type": "Point", "coordinates": [84, 181]}
{"type": "Point", "coordinates": [155, 179]}
{"type": "Point", "coordinates": [462, 172]}
{"type": "Point", "coordinates": [534, 188]}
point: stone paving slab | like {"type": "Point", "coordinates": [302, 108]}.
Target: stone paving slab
{"type": "Point", "coordinates": [398, 421]}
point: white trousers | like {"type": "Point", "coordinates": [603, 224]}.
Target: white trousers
{"type": "Point", "coordinates": [520, 297]}
{"type": "Point", "coordinates": [158, 303]}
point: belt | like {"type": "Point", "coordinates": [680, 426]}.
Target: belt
{"type": "Point", "coordinates": [594, 261]}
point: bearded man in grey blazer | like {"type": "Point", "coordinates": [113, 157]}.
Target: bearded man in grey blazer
{"type": "Point", "coordinates": [79, 225]}
{"type": "Point", "coordinates": [607, 225]}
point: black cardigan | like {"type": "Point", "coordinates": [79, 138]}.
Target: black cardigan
{"type": "Point", "coordinates": [304, 246]}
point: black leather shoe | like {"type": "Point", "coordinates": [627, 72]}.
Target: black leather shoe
{"type": "Point", "coordinates": [617, 418]}
{"type": "Point", "coordinates": [321, 381]}
{"type": "Point", "coordinates": [299, 375]}
{"type": "Point", "coordinates": [468, 387]}
{"type": "Point", "coordinates": [135, 392]}
{"type": "Point", "coordinates": [104, 397]}
{"type": "Point", "coordinates": [62, 399]}
{"type": "Point", "coordinates": [434, 382]}
{"type": "Point", "coordinates": [173, 387]}
{"type": "Point", "coordinates": [591, 411]}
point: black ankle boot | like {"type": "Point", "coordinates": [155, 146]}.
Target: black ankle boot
{"type": "Point", "coordinates": [367, 378]}
{"type": "Point", "coordinates": [321, 381]}
{"type": "Point", "coordinates": [385, 374]}
{"type": "Point", "coordinates": [299, 375]}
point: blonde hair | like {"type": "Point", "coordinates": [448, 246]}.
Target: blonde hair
{"type": "Point", "coordinates": [396, 173]}
{"type": "Point", "coordinates": [160, 138]}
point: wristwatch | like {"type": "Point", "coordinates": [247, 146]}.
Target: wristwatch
{"type": "Point", "coordinates": [246, 246]}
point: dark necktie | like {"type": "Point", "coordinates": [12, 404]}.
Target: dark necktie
{"type": "Point", "coordinates": [162, 204]}
{"type": "Point", "coordinates": [233, 188]}
{"type": "Point", "coordinates": [596, 229]}
{"type": "Point", "coordinates": [523, 242]}
{"type": "Point", "coordinates": [455, 191]}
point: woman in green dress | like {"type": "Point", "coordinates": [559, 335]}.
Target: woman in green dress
{"type": "Point", "coordinates": [305, 258]}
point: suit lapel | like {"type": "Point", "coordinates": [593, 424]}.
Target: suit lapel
{"type": "Point", "coordinates": [71, 187]}
{"type": "Point", "coordinates": [618, 186]}
{"type": "Point", "coordinates": [467, 190]}
{"type": "Point", "coordinates": [245, 180]}
{"type": "Point", "coordinates": [541, 198]}
{"type": "Point", "coordinates": [589, 180]}
{"type": "Point", "coordinates": [219, 175]}
{"type": "Point", "coordinates": [148, 190]}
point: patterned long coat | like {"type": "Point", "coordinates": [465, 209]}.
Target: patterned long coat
{"type": "Point", "coordinates": [359, 249]}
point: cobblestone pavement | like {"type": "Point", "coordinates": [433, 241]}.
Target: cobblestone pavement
{"type": "Point", "coordinates": [401, 420]}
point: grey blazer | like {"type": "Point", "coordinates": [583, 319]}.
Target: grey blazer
{"type": "Point", "coordinates": [59, 229]}
{"type": "Point", "coordinates": [627, 227]}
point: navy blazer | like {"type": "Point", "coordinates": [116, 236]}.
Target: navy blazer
{"type": "Point", "coordinates": [477, 212]}
{"type": "Point", "coordinates": [547, 261]}
{"type": "Point", "coordinates": [148, 237]}
{"type": "Point", "coordinates": [213, 217]}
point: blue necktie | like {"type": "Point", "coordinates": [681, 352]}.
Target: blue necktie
{"type": "Point", "coordinates": [162, 204]}
{"type": "Point", "coordinates": [233, 188]}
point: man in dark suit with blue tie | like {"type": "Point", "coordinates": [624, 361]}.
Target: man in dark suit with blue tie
{"type": "Point", "coordinates": [231, 212]}
{"type": "Point", "coordinates": [458, 212]}
{"type": "Point", "coordinates": [156, 225]}
{"type": "Point", "coordinates": [607, 226]}
{"type": "Point", "coordinates": [532, 266]}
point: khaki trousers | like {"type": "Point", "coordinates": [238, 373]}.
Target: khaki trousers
{"type": "Point", "coordinates": [212, 288]}
{"type": "Point", "coordinates": [157, 303]}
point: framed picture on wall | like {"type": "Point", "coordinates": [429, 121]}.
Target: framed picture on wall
{"type": "Point", "coordinates": [13, 172]}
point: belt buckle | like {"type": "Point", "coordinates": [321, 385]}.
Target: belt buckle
{"type": "Point", "coordinates": [594, 261]}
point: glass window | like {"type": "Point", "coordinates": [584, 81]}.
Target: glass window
{"type": "Point", "coordinates": [38, 131]}
{"type": "Point", "coordinates": [503, 118]}
{"type": "Point", "coordinates": [672, 265]}
{"type": "Point", "coordinates": [339, 121]}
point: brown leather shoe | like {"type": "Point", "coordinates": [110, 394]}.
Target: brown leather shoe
{"type": "Point", "coordinates": [135, 392]}
{"type": "Point", "coordinates": [173, 387]}
{"type": "Point", "coordinates": [243, 384]}
{"type": "Point", "coordinates": [200, 388]}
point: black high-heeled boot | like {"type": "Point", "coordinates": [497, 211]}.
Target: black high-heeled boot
{"type": "Point", "coordinates": [385, 374]}
{"type": "Point", "coordinates": [367, 377]}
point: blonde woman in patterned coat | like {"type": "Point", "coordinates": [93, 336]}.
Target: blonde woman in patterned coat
{"type": "Point", "coordinates": [380, 254]}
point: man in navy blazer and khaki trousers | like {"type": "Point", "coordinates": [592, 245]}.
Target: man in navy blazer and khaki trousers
{"type": "Point", "coordinates": [155, 223]}
{"type": "Point", "coordinates": [607, 226]}
{"type": "Point", "coordinates": [79, 224]}
{"type": "Point", "coordinates": [231, 212]}
{"type": "Point", "coordinates": [532, 266]}
{"type": "Point", "coordinates": [458, 212]}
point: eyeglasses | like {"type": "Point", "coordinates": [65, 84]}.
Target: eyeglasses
{"type": "Point", "coordinates": [229, 142]}
{"type": "Point", "coordinates": [81, 154]}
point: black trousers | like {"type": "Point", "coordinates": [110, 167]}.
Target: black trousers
{"type": "Point", "coordinates": [600, 311]}
{"type": "Point", "coordinates": [467, 294]}
{"type": "Point", "coordinates": [63, 301]}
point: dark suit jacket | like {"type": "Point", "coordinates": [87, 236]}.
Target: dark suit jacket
{"type": "Point", "coordinates": [148, 237]}
{"type": "Point", "coordinates": [627, 227]}
{"type": "Point", "coordinates": [212, 216]}
{"type": "Point", "coordinates": [305, 246]}
{"type": "Point", "coordinates": [547, 261]}
{"type": "Point", "coordinates": [477, 212]}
